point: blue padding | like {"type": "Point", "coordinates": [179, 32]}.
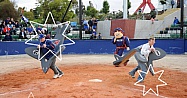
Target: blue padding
{"type": "Point", "coordinates": [171, 46]}
{"type": "Point", "coordinates": [175, 46]}
{"type": "Point", "coordinates": [90, 47]}
{"type": "Point", "coordinates": [185, 45]}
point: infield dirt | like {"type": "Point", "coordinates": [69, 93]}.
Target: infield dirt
{"type": "Point", "coordinates": [21, 76]}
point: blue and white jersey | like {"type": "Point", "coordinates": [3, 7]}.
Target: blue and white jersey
{"type": "Point", "coordinates": [24, 19]}
{"type": "Point", "coordinates": [122, 42]}
{"type": "Point", "coordinates": [49, 46]}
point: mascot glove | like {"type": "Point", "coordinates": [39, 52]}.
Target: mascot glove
{"type": "Point", "coordinates": [128, 48]}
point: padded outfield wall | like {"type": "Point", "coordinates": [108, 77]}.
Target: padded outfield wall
{"type": "Point", "coordinates": [171, 46]}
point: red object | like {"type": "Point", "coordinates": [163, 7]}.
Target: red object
{"type": "Point", "coordinates": [6, 29]}
{"type": "Point", "coordinates": [125, 64]}
{"type": "Point", "coordinates": [142, 6]}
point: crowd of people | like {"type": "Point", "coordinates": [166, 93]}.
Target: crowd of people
{"type": "Point", "coordinates": [90, 27]}
{"type": "Point", "coordinates": [10, 27]}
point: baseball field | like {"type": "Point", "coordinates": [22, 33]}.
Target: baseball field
{"type": "Point", "coordinates": [91, 76]}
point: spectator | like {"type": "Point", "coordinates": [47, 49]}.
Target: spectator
{"type": "Point", "coordinates": [7, 20]}
{"type": "Point", "coordinates": [2, 25]}
{"type": "Point", "coordinates": [30, 30]}
{"type": "Point", "coordinates": [178, 4]}
{"type": "Point", "coordinates": [176, 21]}
{"type": "Point", "coordinates": [6, 30]}
{"type": "Point", "coordinates": [22, 34]}
{"type": "Point", "coordinates": [85, 23]}
{"type": "Point", "coordinates": [44, 30]}
{"type": "Point", "coordinates": [10, 25]}
{"type": "Point", "coordinates": [90, 31]}
{"type": "Point", "coordinates": [92, 36]}
{"type": "Point", "coordinates": [90, 23]}
{"type": "Point", "coordinates": [139, 11]}
{"type": "Point", "coordinates": [48, 36]}
{"type": "Point", "coordinates": [94, 32]}
{"type": "Point", "coordinates": [172, 3]}
{"type": "Point", "coordinates": [12, 21]}
{"type": "Point", "coordinates": [13, 31]}
{"type": "Point", "coordinates": [8, 37]}
{"type": "Point", "coordinates": [68, 29]}
{"type": "Point", "coordinates": [99, 36]}
{"type": "Point", "coordinates": [139, 14]}
{"type": "Point", "coordinates": [94, 23]}
{"type": "Point", "coordinates": [152, 20]}
{"type": "Point", "coordinates": [39, 29]}
{"type": "Point", "coordinates": [25, 20]}
{"type": "Point", "coordinates": [17, 24]}
{"type": "Point", "coordinates": [153, 13]}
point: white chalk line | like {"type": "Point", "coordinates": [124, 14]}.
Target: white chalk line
{"type": "Point", "coordinates": [20, 91]}
{"type": "Point", "coordinates": [133, 89]}
{"type": "Point", "coordinates": [124, 87]}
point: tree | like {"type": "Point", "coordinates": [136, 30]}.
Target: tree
{"type": "Point", "coordinates": [105, 8]}
{"type": "Point", "coordinates": [37, 12]}
{"type": "Point", "coordinates": [29, 15]}
{"type": "Point", "coordinates": [129, 4]}
{"type": "Point", "coordinates": [74, 4]}
{"type": "Point", "coordinates": [119, 14]}
{"type": "Point", "coordinates": [57, 7]}
{"type": "Point", "coordinates": [7, 10]}
{"type": "Point", "coordinates": [91, 11]}
{"type": "Point", "coordinates": [2, 0]}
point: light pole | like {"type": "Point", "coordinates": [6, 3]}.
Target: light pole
{"type": "Point", "coordinates": [125, 4]}
{"type": "Point", "coordinates": [80, 19]}
{"type": "Point", "coordinates": [182, 17]}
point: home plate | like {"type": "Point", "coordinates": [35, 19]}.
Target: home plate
{"type": "Point", "coordinates": [95, 80]}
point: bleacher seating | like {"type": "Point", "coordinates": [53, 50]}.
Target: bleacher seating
{"type": "Point", "coordinates": [1, 37]}
{"type": "Point", "coordinates": [75, 36]}
{"type": "Point", "coordinates": [162, 36]}
{"type": "Point", "coordinates": [22, 39]}
{"type": "Point", "coordinates": [173, 31]}
{"type": "Point", "coordinates": [177, 25]}
{"type": "Point", "coordinates": [157, 35]}
{"type": "Point", "coordinates": [15, 37]}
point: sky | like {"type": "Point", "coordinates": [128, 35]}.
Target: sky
{"type": "Point", "coordinates": [115, 5]}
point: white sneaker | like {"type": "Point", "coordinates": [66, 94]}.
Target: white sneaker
{"type": "Point", "coordinates": [55, 76]}
{"type": "Point", "coordinates": [60, 75]}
